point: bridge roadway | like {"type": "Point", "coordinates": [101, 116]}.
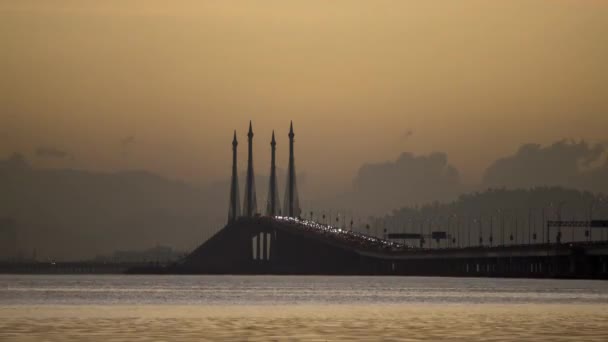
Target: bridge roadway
{"type": "Point", "coordinates": [281, 245]}
{"type": "Point", "coordinates": [574, 260]}
{"type": "Point", "coordinates": [577, 260]}
{"type": "Point", "coordinates": [511, 251]}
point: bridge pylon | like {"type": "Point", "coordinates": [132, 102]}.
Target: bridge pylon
{"type": "Point", "coordinates": [234, 209]}
{"type": "Point", "coordinates": [250, 207]}
{"type": "Point", "coordinates": [273, 207]}
{"type": "Point", "coordinates": [292, 203]}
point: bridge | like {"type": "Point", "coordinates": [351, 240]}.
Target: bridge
{"type": "Point", "coordinates": [281, 242]}
{"type": "Point", "coordinates": [285, 245]}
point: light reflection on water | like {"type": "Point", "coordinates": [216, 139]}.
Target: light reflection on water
{"type": "Point", "coordinates": [118, 308]}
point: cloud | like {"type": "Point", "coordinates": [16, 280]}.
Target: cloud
{"type": "Point", "coordinates": [408, 180]}
{"type": "Point", "coordinates": [51, 152]}
{"type": "Point", "coordinates": [564, 163]}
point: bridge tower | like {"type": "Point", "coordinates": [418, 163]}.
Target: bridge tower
{"type": "Point", "coordinates": [273, 206]}
{"type": "Point", "coordinates": [234, 211]}
{"type": "Point", "coordinates": [292, 203]}
{"type": "Point", "coordinates": [250, 203]}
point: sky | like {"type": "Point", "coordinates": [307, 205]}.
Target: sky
{"type": "Point", "coordinates": [161, 85]}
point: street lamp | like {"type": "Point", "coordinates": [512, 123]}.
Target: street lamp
{"type": "Point", "coordinates": [430, 221]}
{"type": "Point", "coordinates": [502, 227]}
{"type": "Point", "coordinates": [545, 226]}
{"type": "Point", "coordinates": [491, 230]}
{"type": "Point", "coordinates": [480, 232]}
{"type": "Point", "coordinates": [457, 241]}
{"type": "Point", "coordinates": [529, 225]}
{"type": "Point", "coordinates": [469, 231]}
{"type": "Point", "coordinates": [421, 231]}
{"type": "Point", "coordinates": [448, 237]}
{"type": "Point", "coordinates": [602, 202]}
{"type": "Point", "coordinates": [559, 219]}
{"type": "Point", "coordinates": [589, 228]}
{"type": "Point", "coordinates": [515, 231]}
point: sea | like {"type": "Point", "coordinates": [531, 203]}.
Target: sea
{"type": "Point", "coordinates": [299, 308]}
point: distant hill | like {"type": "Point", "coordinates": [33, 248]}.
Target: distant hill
{"type": "Point", "coordinates": [485, 213]}
{"type": "Point", "coordinates": [75, 214]}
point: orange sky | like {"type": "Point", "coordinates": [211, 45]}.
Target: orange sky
{"type": "Point", "coordinates": [472, 78]}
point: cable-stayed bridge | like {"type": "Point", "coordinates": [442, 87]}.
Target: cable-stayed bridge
{"type": "Point", "coordinates": [280, 241]}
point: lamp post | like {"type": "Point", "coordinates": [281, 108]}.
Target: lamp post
{"type": "Point", "coordinates": [542, 226]}
{"type": "Point", "coordinates": [529, 224]}
{"type": "Point", "coordinates": [533, 227]}
{"type": "Point", "coordinates": [448, 237]}
{"type": "Point", "coordinates": [515, 230]}
{"type": "Point", "coordinates": [408, 227]}
{"type": "Point", "coordinates": [502, 227]}
{"type": "Point", "coordinates": [457, 230]}
{"type": "Point", "coordinates": [480, 233]}
{"type": "Point", "coordinates": [468, 231]}
{"type": "Point", "coordinates": [559, 219]}
{"type": "Point", "coordinates": [429, 234]}
{"type": "Point", "coordinates": [589, 228]}
{"type": "Point", "coordinates": [421, 232]}
{"type": "Point", "coordinates": [491, 239]}
{"type": "Point", "coordinates": [376, 230]}
{"type": "Point", "coordinates": [601, 200]}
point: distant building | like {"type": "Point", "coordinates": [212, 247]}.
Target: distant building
{"type": "Point", "coordinates": [8, 239]}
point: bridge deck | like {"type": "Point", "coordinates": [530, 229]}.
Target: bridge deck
{"type": "Point", "coordinates": [282, 245]}
{"type": "Point", "coordinates": [381, 248]}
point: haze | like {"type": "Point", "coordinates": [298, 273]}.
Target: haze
{"type": "Point", "coordinates": [161, 85]}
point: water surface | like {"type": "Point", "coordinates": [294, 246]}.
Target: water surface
{"type": "Point", "coordinates": [261, 308]}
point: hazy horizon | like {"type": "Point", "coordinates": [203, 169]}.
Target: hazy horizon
{"type": "Point", "coordinates": [149, 85]}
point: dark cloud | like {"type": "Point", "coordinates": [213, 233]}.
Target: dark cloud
{"type": "Point", "coordinates": [565, 163]}
{"type": "Point", "coordinates": [408, 180]}
{"type": "Point", "coordinates": [51, 152]}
